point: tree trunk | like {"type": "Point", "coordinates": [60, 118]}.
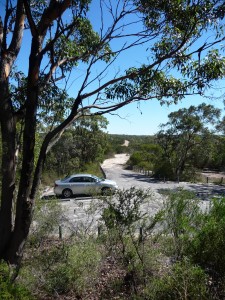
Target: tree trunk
{"type": "Point", "coordinates": [24, 205]}
{"type": "Point", "coordinates": [12, 243]}
{"type": "Point", "coordinates": [8, 131]}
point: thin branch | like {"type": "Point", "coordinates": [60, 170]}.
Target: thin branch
{"type": "Point", "coordinates": [18, 32]}
{"type": "Point", "coordinates": [30, 19]}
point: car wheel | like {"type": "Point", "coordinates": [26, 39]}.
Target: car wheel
{"type": "Point", "coordinates": [67, 193]}
{"type": "Point", "coordinates": [106, 191]}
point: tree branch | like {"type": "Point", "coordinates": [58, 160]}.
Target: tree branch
{"type": "Point", "coordinates": [15, 45]}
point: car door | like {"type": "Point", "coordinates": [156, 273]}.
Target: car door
{"type": "Point", "coordinates": [89, 185]}
{"type": "Point", "coordinates": [76, 185]}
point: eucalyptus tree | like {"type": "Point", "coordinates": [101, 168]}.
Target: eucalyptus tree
{"type": "Point", "coordinates": [52, 43]}
{"type": "Point", "coordinates": [83, 143]}
{"type": "Point", "coordinates": [189, 132]}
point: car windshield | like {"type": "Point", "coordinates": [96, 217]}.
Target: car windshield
{"type": "Point", "coordinates": [96, 178]}
{"type": "Point", "coordinates": [64, 179]}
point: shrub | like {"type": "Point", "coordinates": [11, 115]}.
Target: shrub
{"type": "Point", "coordinates": [11, 290]}
{"type": "Point", "coordinates": [207, 248]}
{"type": "Point", "coordinates": [183, 281]}
{"type": "Point", "coordinates": [123, 217]}
{"type": "Point", "coordinates": [47, 218]}
{"type": "Point", "coordinates": [182, 217]}
{"type": "Point", "coordinates": [66, 267]}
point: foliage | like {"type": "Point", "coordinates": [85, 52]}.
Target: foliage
{"type": "Point", "coordinates": [183, 136]}
{"type": "Point", "coordinates": [182, 218]}
{"type": "Point", "coordinates": [182, 281]}
{"type": "Point", "coordinates": [65, 267]}
{"type": "Point", "coordinates": [48, 216]}
{"type": "Point", "coordinates": [10, 290]}
{"type": "Point", "coordinates": [146, 157]}
{"type": "Point", "coordinates": [217, 156]}
{"type": "Point", "coordinates": [207, 247]}
{"type": "Point", "coordinates": [123, 212]}
{"type": "Point", "coordinates": [82, 145]}
{"type": "Point", "coordinates": [123, 218]}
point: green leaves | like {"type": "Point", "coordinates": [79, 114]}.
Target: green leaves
{"type": "Point", "coordinates": [183, 136]}
{"type": "Point", "coordinates": [79, 44]}
{"type": "Point", "coordinates": [148, 83]}
{"type": "Point", "coordinates": [124, 211]}
{"type": "Point", "coordinates": [213, 66]}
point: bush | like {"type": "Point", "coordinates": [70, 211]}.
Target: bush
{"type": "Point", "coordinates": [183, 281]}
{"type": "Point", "coordinates": [47, 218]}
{"type": "Point", "coordinates": [66, 267]}
{"type": "Point", "coordinates": [10, 290]}
{"type": "Point", "coordinates": [207, 248]}
{"type": "Point", "coordinates": [182, 218]}
{"type": "Point", "coordinates": [122, 218]}
{"type": "Point", "coordinates": [163, 169]}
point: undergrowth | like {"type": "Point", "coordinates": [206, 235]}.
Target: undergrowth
{"type": "Point", "coordinates": [175, 254]}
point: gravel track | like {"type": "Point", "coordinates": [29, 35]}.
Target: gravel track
{"type": "Point", "coordinates": [79, 215]}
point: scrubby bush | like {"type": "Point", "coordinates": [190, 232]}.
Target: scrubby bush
{"type": "Point", "coordinates": [182, 217]}
{"type": "Point", "coordinates": [10, 290]}
{"type": "Point", "coordinates": [207, 248]}
{"type": "Point", "coordinates": [123, 217]}
{"type": "Point", "coordinates": [48, 216]}
{"type": "Point", "coordinates": [66, 267]}
{"type": "Point", "coordinates": [182, 281]}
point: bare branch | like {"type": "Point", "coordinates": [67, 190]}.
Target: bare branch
{"type": "Point", "coordinates": [31, 22]}
{"type": "Point", "coordinates": [1, 33]}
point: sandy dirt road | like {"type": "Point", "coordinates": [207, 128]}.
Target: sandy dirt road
{"type": "Point", "coordinates": [114, 169]}
{"type": "Point", "coordinates": [80, 215]}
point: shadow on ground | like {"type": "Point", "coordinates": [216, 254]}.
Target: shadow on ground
{"type": "Point", "coordinates": [202, 191]}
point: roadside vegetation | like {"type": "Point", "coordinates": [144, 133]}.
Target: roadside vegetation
{"type": "Point", "coordinates": [190, 142]}
{"type": "Point", "coordinates": [61, 71]}
{"type": "Point", "coordinates": [176, 254]}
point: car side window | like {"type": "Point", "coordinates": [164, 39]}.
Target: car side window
{"type": "Point", "coordinates": [88, 179]}
{"type": "Point", "coordinates": [76, 179]}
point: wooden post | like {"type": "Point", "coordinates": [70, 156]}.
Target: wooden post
{"type": "Point", "coordinates": [60, 232]}
{"type": "Point", "coordinates": [99, 231]}
{"type": "Point", "coordinates": [140, 235]}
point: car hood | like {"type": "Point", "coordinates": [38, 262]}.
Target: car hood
{"type": "Point", "coordinates": [58, 181]}
{"type": "Point", "coordinates": [107, 181]}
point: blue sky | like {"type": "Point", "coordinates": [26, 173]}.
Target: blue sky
{"type": "Point", "coordinates": [144, 118]}
{"type": "Point", "coordinates": [141, 118]}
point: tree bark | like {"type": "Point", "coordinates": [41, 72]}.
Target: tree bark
{"type": "Point", "coordinates": [24, 205]}
{"type": "Point", "coordinates": [8, 126]}
{"type": "Point", "coordinates": [25, 202]}
{"type": "Point", "coordinates": [8, 131]}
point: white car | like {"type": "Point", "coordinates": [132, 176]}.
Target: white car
{"type": "Point", "coordinates": [83, 184]}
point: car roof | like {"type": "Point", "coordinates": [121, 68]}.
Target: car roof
{"type": "Point", "coordinates": [82, 175]}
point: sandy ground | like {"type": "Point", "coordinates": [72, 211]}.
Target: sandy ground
{"type": "Point", "coordinates": [78, 211]}
{"type": "Point", "coordinates": [114, 169]}
{"type": "Point", "coordinates": [126, 143]}
{"type": "Point", "coordinates": [118, 159]}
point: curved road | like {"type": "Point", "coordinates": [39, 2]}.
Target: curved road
{"type": "Point", "coordinates": [114, 169]}
{"type": "Point", "coordinates": [81, 214]}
